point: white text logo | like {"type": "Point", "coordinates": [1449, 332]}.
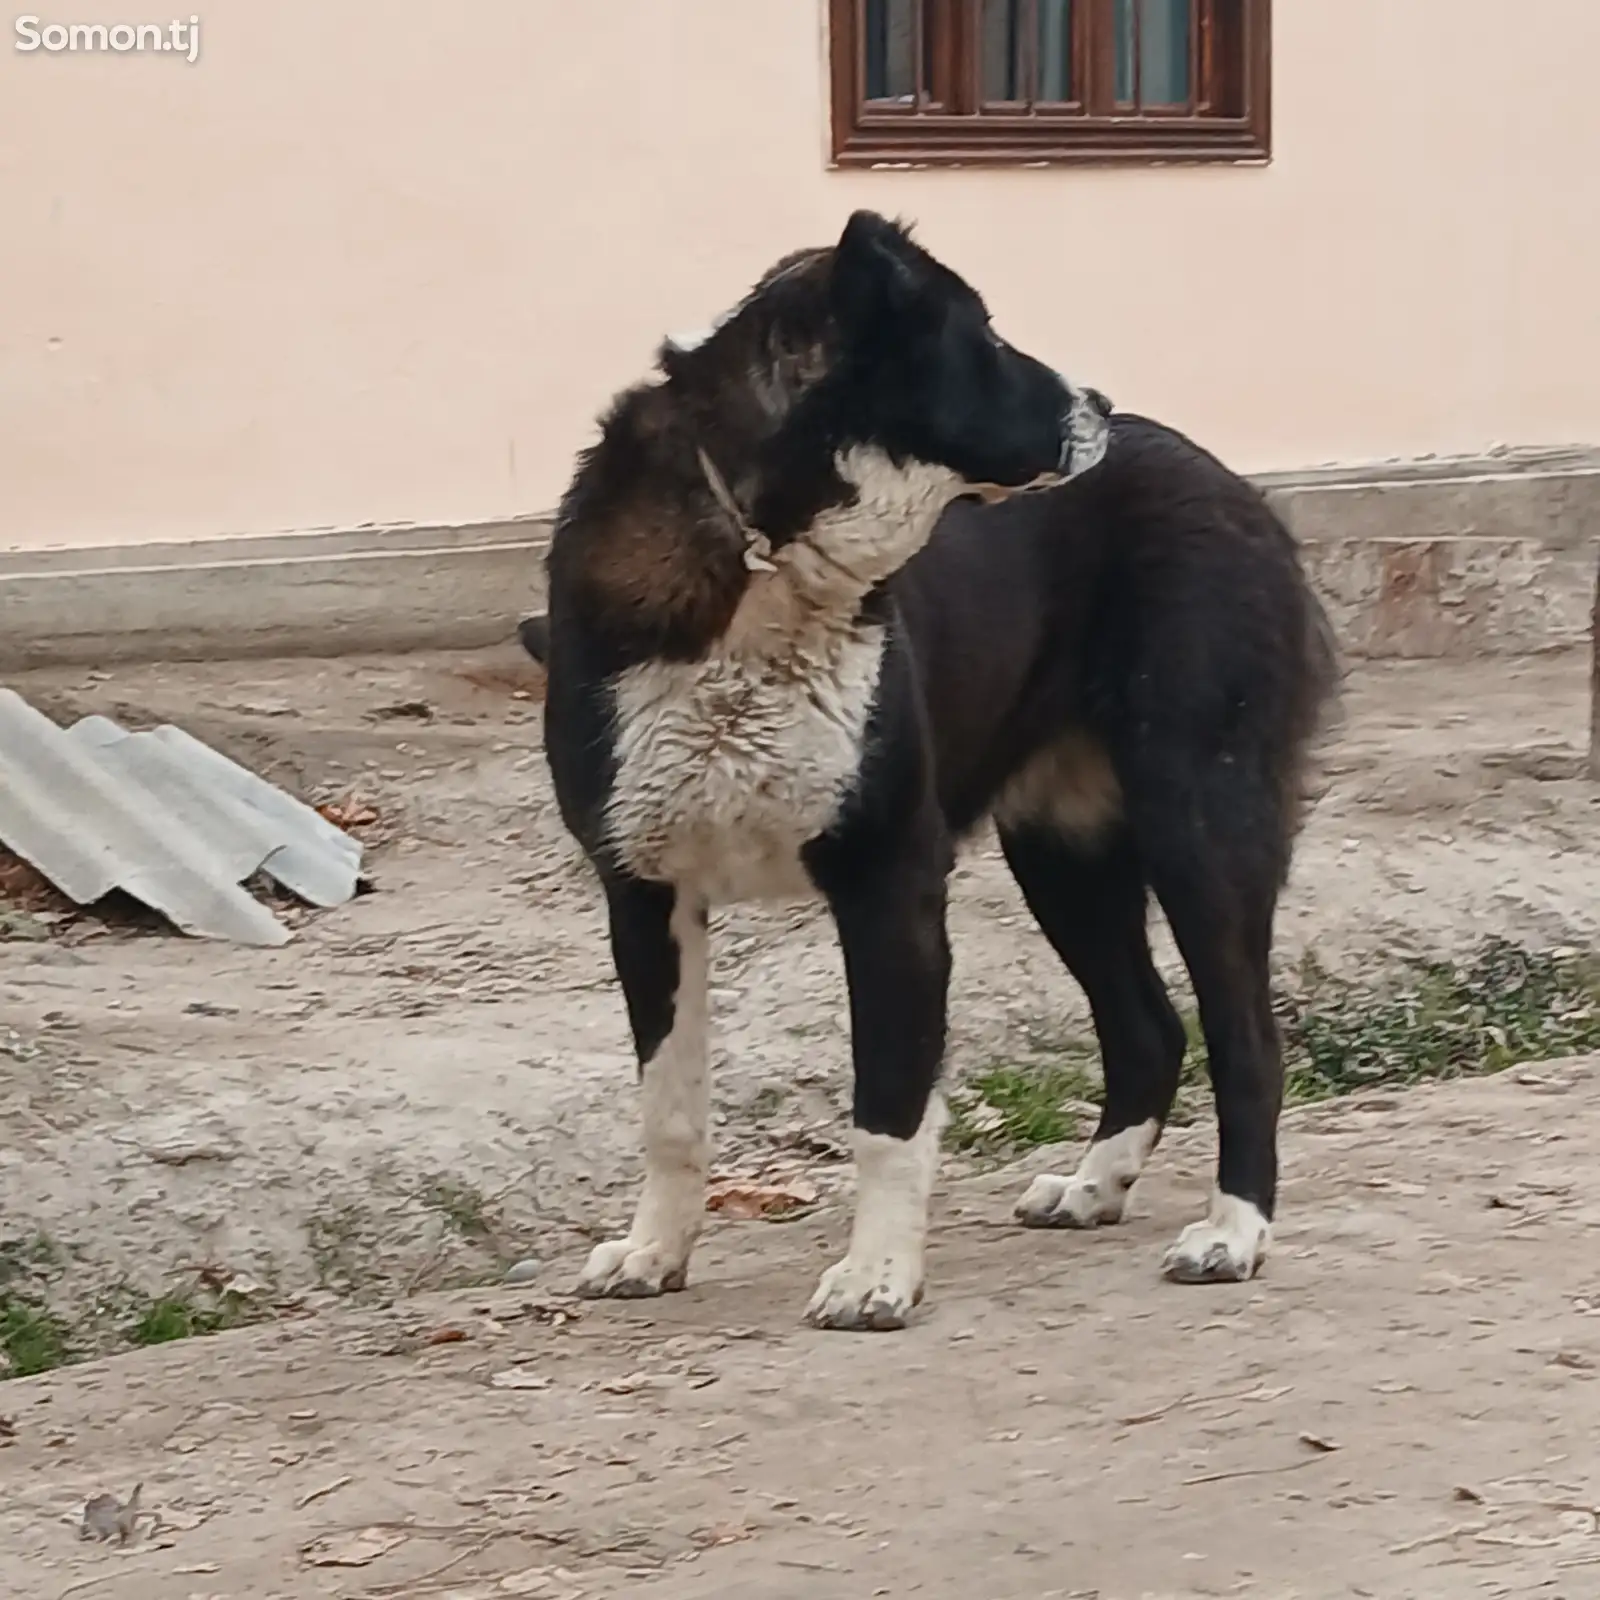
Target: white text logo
{"type": "Point", "coordinates": [181, 39]}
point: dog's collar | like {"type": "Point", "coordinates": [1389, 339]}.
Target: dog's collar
{"type": "Point", "coordinates": [757, 547]}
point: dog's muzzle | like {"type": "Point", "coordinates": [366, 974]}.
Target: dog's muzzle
{"type": "Point", "coordinates": [1085, 431]}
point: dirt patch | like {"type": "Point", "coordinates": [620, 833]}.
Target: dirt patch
{"type": "Point", "coordinates": [1404, 1404]}
{"type": "Point", "coordinates": [425, 1087]}
{"type": "Point", "coordinates": [430, 1085]}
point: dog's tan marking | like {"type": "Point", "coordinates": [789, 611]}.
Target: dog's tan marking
{"type": "Point", "coordinates": [1069, 785]}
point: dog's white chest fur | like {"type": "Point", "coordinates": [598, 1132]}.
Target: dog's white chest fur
{"type": "Point", "coordinates": [727, 766]}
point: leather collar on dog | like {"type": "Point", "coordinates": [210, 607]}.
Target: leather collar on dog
{"type": "Point", "coordinates": [757, 547]}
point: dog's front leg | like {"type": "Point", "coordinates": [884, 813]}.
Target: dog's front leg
{"type": "Point", "coordinates": [658, 940]}
{"type": "Point", "coordinates": [891, 922]}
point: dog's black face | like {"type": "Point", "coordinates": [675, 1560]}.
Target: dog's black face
{"type": "Point", "coordinates": [926, 378]}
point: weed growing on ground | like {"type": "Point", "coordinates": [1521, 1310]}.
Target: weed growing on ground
{"type": "Point", "coordinates": [37, 1332]}
{"type": "Point", "coordinates": [184, 1314]}
{"type": "Point", "coordinates": [343, 1243]}
{"type": "Point", "coordinates": [32, 1338]}
{"type": "Point", "coordinates": [1434, 1020]}
{"type": "Point", "coordinates": [462, 1206]}
{"type": "Point", "coordinates": [1420, 1022]}
{"type": "Point", "coordinates": [1018, 1105]}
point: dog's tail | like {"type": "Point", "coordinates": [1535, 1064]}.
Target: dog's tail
{"type": "Point", "coordinates": [534, 636]}
{"type": "Point", "coordinates": [1317, 716]}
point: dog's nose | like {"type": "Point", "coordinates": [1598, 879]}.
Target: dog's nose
{"type": "Point", "coordinates": [1099, 402]}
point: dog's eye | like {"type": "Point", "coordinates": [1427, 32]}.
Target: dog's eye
{"type": "Point", "coordinates": [994, 338]}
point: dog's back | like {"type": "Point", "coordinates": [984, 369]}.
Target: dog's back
{"type": "Point", "coordinates": [1159, 592]}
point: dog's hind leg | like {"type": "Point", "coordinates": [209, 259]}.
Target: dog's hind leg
{"type": "Point", "coordinates": [1214, 840]}
{"type": "Point", "coordinates": [1089, 899]}
{"type": "Point", "coordinates": [658, 941]}
{"type": "Point", "coordinates": [890, 914]}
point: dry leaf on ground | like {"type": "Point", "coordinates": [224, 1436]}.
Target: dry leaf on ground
{"type": "Point", "coordinates": [21, 882]}
{"type": "Point", "coordinates": [357, 1548]}
{"type": "Point", "coordinates": [518, 1378]}
{"type": "Point", "coordinates": [635, 1383]}
{"type": "Point", "coordinates": [720, 1534]}
{"type": "Point", "coordinates": [348, 813]}
{"type": "Point", "coordinates": [534, 1581]}
{"type": "Point", "coordinates": [746, 1200]}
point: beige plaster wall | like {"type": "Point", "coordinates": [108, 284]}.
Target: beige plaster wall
{"type": "Point", "coordinates": [366, 263]}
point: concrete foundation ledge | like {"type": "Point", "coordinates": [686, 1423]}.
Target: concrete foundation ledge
{"type": "Point", "coordinates": [317, 594]}
{"type": "Point", "coordinates": [1487, 555]}
{"type": "Point", "coordinates": [1482, 556]}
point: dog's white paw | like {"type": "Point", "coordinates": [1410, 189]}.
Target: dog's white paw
{"type": "Point", "coordinates": [1096, 1195]}
{"type": "Point", "coordinates": [622, 1269]}
{"type": "Point", "coordinates": [1228, 1247]}
{"type": "Point", "coordinates": [1076, 1202]}
{"type": "Point", "coordinates": [866, 1296]}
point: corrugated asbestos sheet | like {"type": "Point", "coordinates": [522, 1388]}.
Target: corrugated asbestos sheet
{"type": "Point", "coordinates": [164, 818]}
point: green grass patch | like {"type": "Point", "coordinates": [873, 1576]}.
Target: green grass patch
{"type": "Point", "coordinates": [1019, 1105]}
{"type": "Point", "coordinates": [181, 1314]}
{"type": "Point", "coordinates": [36, 1256]}
{"type": "Point", "coordinates": [32, 1338]}
{"type": "Point", "coordinates": [1433, 1020]}
{"type": "Point", "coordinates": [42, 1326]}
{"type": "Point", "coordinates": [1416, 1022]}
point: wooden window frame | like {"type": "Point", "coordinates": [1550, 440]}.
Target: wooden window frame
{"type": "Point", "coordinates": [950, 128]}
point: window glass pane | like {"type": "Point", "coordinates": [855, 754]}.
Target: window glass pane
{"type": "Point", "coordinates": [891, 41]}
{"type": "Point", "coordinates": [1156, 34]}
{"type": "Point", "coordinates": [1127, 35]}
{"type": "Point", "coordinates": [1164, 52]}
{"type": "Point", "coordinates": [1001, 19]}
{"type": "Point", "coordinates": [1055, 49]}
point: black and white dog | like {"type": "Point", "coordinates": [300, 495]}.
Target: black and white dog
{"type": "Point", "coordinates": [790, 653]}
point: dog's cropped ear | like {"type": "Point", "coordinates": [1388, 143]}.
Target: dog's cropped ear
{"type": "Point", "coordinates": [877, 270]}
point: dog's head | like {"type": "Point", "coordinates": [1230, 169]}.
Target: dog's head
{"type": "Point", "coordinates": [868, 376]}
{"type": "Point", "coordinates": [930, 380]}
